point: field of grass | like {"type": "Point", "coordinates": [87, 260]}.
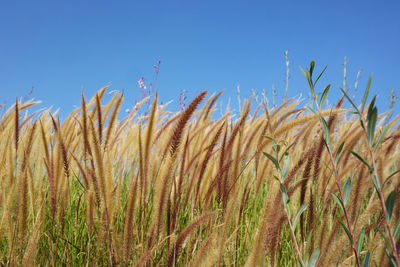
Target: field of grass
{"type": "Point", "coordinates": [283, 186]}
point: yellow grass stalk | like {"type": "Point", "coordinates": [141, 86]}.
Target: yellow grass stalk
{"type": "Point", "coordinates": [23, 187]}
{"type": "Point", "coordinates": [112, 120]}
{"type": "Point", "coordinates": [99, 119]}
{"type": "Point", "coordinates": [129, 220]}
{"type": "Point", "coordinates": [172, 258]}
{"type": "Point", "coordinates": [149, 136]}
{"type": "Point", "coordinates": [29, 257]}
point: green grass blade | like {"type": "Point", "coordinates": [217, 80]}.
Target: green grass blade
{"type": "Point", "coordinates": [397, 229]}
{"type": "Point", "coordinates": [319, 76]}
{"type": "Point", "coordinates": [390, 205]}
{"type": "Point", "coordinates": [372, 117]}
{"type": "Point", "coordinates": [299, 212]}
{"type": "Point", "coordinates": [346, 191]}
{"type": "Point", "coordinates": [366, 260]}
{"type": "Point", "coordinates": [314, 258]}
{"type": "Point", "coordinates": [324, 95]}
{"type": "Point", "coordinates": [360, 241]}
{"type": "Point", "coordinates": [366, 93]}
{"type": "Point", "coordinates": [326, 131]}
{"type": "Point", "coordinates": [286, 166]}
{"type": "Point", "coordinates": [390, 176]}
{"type": "Point", "coordinates": [338, 152]}
{"type": "Point", "coordinates": [361, 159]}
{"type": "Point", "coordinates": [348, 233]}
{"type": "Point", "coordinates": [271, 158]}
{"type": "Point", "coordinates": [391, 259]}
{"type": "Point", "coordinates": [339, 202]}
{"type": "Point", "coordinates": [351, 101]}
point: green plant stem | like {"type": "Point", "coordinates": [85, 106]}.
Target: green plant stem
{"type": "Point", "coordinates": [382, 202]}
{"type": "Point", "coordinates": [354, 247]}
{"type": "Point", "coordinates": [344, 208]}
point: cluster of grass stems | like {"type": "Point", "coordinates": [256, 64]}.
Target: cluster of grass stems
{"type": "Point", "coordinates": [280, 186]}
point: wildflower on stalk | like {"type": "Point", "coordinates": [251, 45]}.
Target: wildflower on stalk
{"type": "Point", "coordinates": [141, 83]}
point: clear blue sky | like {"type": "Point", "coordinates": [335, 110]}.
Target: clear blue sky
{"type": "Point", "coordinates": [62, 47]}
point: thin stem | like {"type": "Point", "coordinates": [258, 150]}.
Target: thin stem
{"type": "Point", "coordinates": [382, 201]}
{"type": "Point", "coordinates": [293, 236]}
{"type": "Point", "coordinates": [344, 208]}
{"type": "Point", "coordinates": [340, 191]}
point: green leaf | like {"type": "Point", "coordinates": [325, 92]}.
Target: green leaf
{"type": "Point", "coordinates": [375, 182]}
{"type": "Point", "coordinates": [372, 116]}
{"type": "Point", "coordinates": [371, 105]}
{"type": "Point", "coordinates": [324, 95]}
{"type": "Point", "coordinates": [382, 235]}
{"type": "Point", "coordinates": [348, 233]}
{"type": "Point", "coordinates": [284, 195]}
{"type": "Point", "coordinates": [366, 260]}
{"type": "Point", "coordinates": [390, 205]}
{"type": "Point", "coordinates": [392, 261]}
{"type": "Point", "coordinates": [313, 111]}
{"type": "Point", "coordinates": [314, 258]}
{"type": "Point", "coordinates": [360, 241]}
{"type": "Point", "coordinates": [326, 131]}
{"type": "Point", "coordinates": [286, 165]}
{"type": "Point", "coordinates": [299, 212]}
{"type": "Point", "coordinates": [269, 137]}
{"type": "Point", "coordinates": [362, 123]}
{"type": "Point", "coordinates": [366, 93]}
{"type": "Point", "coordinates": [286, 151]}
{"type": "Point", "coordinates": [319, 76]}
{"type": "Point", "coordinates": [312, 65]}
{"type": "Point", "coordinates": [271, 158]}
{"type": "Point", "coordinates": [338, 152]}
{"type": "Point", "coordinates": [304, 73]}
{"type": "Point", "coordinates": [346, 190]}
{"type": "Point", "coordinates": [396, 229]}
{"type": "Point", "coordinates": [351, 101]}
{"type": "Point", "coordinates": [308, 240]}
{"type": "Point", "coordinates": [339, 202]}
{"type": "Point", "coordinates": [390, 176]}
{"type": "Point", "coordinates": [361, 159]}
{"type": "Point", "coordinates": [381, 136]}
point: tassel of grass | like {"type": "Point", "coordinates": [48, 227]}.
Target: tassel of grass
{"type": "Point", "coordinates": [184, 118]}
{"type": "Point", "coordinates": [306, 174]}
{"type": "Point", "coordinates": [129, 220]}
{"type": "Point", "coordinates": [99, 160]}
{"type": "Point", "coordinates": [173, 256]}
{"type": "Point", "coordinates": [112, 120]}
{"type": "Point", "coordinates": [209, 107]}
{"type": "Point", "coordinates": [146, 256]}
{"type": "Point", "coordinates": [178, 186]}
{"type": "Point", "coordinates": [99, 119]}
{"type": "Point", "coordinates": [205, 161]}
{"type": "Point", "coordinates": [86, 144]}
{"type": "Point", "coordinates": [23, 187]}
{"type": "Point", "coordinates": [31, 249]}
{"type": "Point", "coordinates": [62, 146]}
{"type": "Point", "coordinates": [16, 127]}
{"type": "Point", "coordinates": [201, 254]}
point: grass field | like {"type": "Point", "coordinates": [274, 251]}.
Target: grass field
{"type": "Point", "coordinates": [283, 186]}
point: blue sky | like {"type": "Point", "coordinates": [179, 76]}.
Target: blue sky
{"type": "Point", "coordinates": [64, 47]}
